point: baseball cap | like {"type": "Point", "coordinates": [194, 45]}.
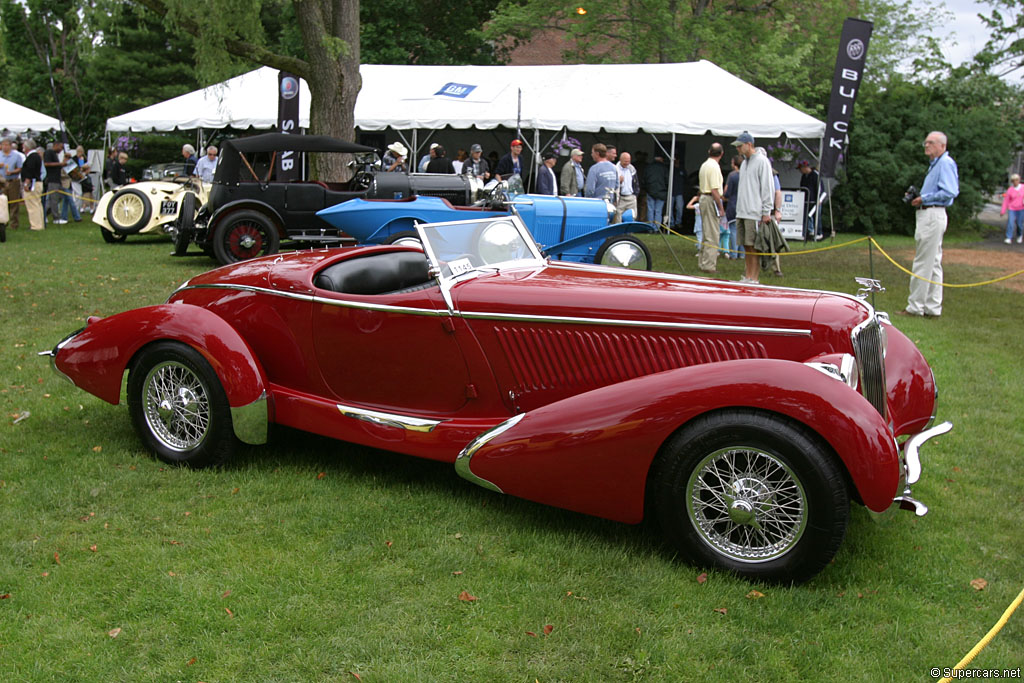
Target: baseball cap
{"type": "Point", "coordinates": [516, 142]}
{"type": "Point", "coordinates": [435, 145]}
{"type": "Point", "coordinates": [476, 148]}
{"type": "Point", "coordinates": [549, 155]}
{"type": "Point", "coordinates": [802, 163]}
{"type": "Point", "coordinates": [743, 137]}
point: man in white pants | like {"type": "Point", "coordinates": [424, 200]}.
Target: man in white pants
{"type": "Point", "coordinates": [941, 186]}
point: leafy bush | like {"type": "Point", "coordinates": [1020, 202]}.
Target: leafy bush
{"type": "Point", "coordinates": [979, 114]}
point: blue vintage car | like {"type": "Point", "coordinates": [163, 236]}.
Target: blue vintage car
{"type": "Point", "coordinates": [566, 228]}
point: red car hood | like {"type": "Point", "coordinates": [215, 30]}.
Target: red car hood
{"type": "Point", "coordinates": [591, 293]}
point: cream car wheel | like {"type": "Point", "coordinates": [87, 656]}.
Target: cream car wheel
{"type": "Point", "coordinates": [129, 211]}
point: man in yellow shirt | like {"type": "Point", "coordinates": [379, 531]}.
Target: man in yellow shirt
{"type": "Point", "coordinates": [711, 208]}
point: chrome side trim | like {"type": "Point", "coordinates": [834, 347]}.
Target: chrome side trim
{"type": "Point", "coordinates": [481, 315]}
{"type": "Point", "coordinates": [312, 298]}
{"type": "Point", "coordinates": [250, 421]}
{"type": "Point", "coordinates": [743, 329]}
{"type": "Point", "coordinates": [913, 445]}
{"type": "Point", "coordinates": [412, 424]}
{"type": "Point", "coordinates": [462, 462]}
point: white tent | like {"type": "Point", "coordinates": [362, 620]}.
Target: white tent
{"type": "Point", "coordinates": [18, 119]}
{"type": "Point", "coordinates": [245, 101]}
{"type": "Point", "coordinates": [691, 99]}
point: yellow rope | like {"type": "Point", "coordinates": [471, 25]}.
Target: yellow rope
{"type": "Point", "coordinates": [857, 241]}
{"type": "Point", "coordinates": [64, 192]}
{"type": "Point", "coordinates": [988, 636]}
{"type": "Point", "coordinates": [942, 284]}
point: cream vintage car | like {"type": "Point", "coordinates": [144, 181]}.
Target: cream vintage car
{"type": "Point", "coordinates": [150, 207]}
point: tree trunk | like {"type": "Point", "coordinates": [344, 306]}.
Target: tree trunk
{"type": "Point", "coordinates": [330, 32]}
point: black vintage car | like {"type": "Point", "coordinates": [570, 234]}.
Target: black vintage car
{"type": "Point", "coordinates": [250, 213]}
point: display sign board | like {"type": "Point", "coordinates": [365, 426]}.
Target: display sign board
{"type": "Point", "coordinates": [792, 225]}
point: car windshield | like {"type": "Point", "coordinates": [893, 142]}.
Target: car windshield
{"type": "Point", "coordinates": [461, 247]}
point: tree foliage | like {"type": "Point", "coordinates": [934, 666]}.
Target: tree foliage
{"type": "Point", "coordinates": [1003, 54]}
{"type": "Point", "coordinates": [427, 32]}
{"type": "Point", "coordinates": [979, 113]}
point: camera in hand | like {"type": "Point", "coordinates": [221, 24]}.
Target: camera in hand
{"type": "Point", "coordinates": [911, 194]}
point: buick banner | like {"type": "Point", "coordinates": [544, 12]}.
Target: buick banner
{"type": "Point", "coordinates": [853, 48]}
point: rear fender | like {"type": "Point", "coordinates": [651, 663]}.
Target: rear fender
{"type": "Point", "coordinates": [592, 452]}
{"type": "Point", "coordinates": [598, 236]}
{"type": "Point", "coordinates": [96, 358]}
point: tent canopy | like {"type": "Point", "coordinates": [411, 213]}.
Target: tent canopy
{"type": "Point", "coordinates": [694, 98]}
{"type": "Point", "coordinates": [19, 119]}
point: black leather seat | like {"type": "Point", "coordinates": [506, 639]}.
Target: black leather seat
{"type": "Point", "coordinates": [389, 273]}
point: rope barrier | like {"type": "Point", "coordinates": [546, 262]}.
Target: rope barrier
{"type": "Point", "coordinates": [58, 191]}
{"type": "Point", "coordinates": [988, 636]}
{"type": "Point", "coordinates": [867, 238]}
{"type": "Point", "coordinates": [942, 284]}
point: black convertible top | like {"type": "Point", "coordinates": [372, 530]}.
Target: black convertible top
{"type": "Point", "coordinates": [229, 166]}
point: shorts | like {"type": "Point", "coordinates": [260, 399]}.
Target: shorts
{"type": "Point", "coordinates": [746, 231]}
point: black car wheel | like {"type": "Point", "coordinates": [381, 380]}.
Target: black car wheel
{"type": "Point", "coordinates": [129, 211]}
{"type": "Point", "coordinates": [244, 235]}
{"type": "Point", "coordinates": [178, 406]}
{"type": "Point", "coordinates": [184, 225]}
{"type": "Point", "coordinates": [112, 237]}
{"type": "Point", "coordinates": [406, 238]}
{"type": "Point", "coordinates": [624, 251]}
{"type": "Point", "coordinates": [753, 493]}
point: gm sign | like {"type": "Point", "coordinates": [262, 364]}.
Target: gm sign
{"type": "Point", "coordinates": [457, 90]}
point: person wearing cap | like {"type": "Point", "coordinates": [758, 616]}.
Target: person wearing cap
{"type": "Point", "coordinates": [546, 183]}
{"type": "Point", "coordinates": [476, 165]}
{"type": "Point", "coordinates": [755, 197]}
{"type": "Point", "coordinates": [440, 163]}
{"type": "Point", "coordinates": [425, 159]}
{"type": "Point", "coordinates": [394, 158]}
{"type": "Point", "coordinates": [510, 164]}
{"type": "Point", "coordinates": [941, 186]}
{"type": "Point", "coordinates": [629, 186]}
{"type": "Point", "coordinates": [809, 184]}
{"type": "Point", "coordinates": [712, 210]}
{"type": "Point", "coordinates": [570, 183]}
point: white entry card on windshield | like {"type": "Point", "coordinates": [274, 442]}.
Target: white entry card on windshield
{"type": "Point", "coordinates": [460, 266]}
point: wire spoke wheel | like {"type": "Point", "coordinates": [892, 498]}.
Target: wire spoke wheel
{"type": "Point", "coordinates": [128, 209]}
{"type": "Point", "coordinates": [747, 504]}
{"type": "Point", "coordinates": [244, 235]}
{"type": "Point", "coordinates": [176, 405]}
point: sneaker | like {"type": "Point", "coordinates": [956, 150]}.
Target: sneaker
{"type": "Point", "coordinates": [59, 221]}
{"type": "Point", "coordinates": [1020, 239]}
{"type": "Point", "coordinates": [1007, 241]}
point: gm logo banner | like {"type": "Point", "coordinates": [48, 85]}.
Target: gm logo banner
{"type": "Point", "coordinates": [456, 90]}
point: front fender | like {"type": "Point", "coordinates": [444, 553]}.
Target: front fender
{"type": "Point", "coordinates": [96, 358]}
{"type": "Point", "coordinates": [592, 452]}
{"type": "Point", "coordinates": [599, 236]}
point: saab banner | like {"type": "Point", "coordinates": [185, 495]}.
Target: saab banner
{"type": "Point", "coordinates": [853, 47]}
{"type": "Point", "coordinates": [287, 122]}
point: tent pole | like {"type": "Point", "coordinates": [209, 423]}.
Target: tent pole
{"type": "Point", "coordinates": [667, 211]}
{"type": "Point", "coordinates": [414, 153]}
{"type": "Point", "coordinates": [535, 166]}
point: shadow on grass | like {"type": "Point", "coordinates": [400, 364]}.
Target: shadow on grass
{"type": "Point", "coordinates": [396, 471]}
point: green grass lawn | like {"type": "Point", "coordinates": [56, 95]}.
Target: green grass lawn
{"type": "Point", "coordinates": [313, 560]}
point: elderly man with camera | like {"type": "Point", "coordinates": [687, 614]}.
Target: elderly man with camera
{"type": "Point", "coordinates": [941, 187]}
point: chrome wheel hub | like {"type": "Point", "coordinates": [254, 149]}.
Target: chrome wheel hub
{"type": "Point", "coordinates": [246, 242]}
{"type": "Point", "coordinates": [624, 255]}
{"type": "Point", "coordinates": [746, 504]}
{"type": "Point", "coordinates": [176, 406]}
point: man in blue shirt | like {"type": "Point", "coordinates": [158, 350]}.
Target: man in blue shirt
{"type": "Point", "coordinates": [941, 186]}
{"type": "Point", "coordinates": [603, 177]}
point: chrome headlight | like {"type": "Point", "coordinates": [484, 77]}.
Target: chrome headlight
{"type": "Point", "coordinates": [500, 242]}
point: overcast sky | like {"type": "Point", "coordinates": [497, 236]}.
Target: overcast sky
{"type": "Point", "coordinates": [966, 30]}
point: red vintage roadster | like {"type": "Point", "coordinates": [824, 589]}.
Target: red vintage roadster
{"type": "Point", "coordinates": [746, 418]}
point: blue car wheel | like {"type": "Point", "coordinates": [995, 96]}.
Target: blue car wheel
{"type": "Point", "coordinates": [624, 251]}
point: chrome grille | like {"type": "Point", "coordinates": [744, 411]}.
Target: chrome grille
{"type": "Point", "coordinates": [869, 346]}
